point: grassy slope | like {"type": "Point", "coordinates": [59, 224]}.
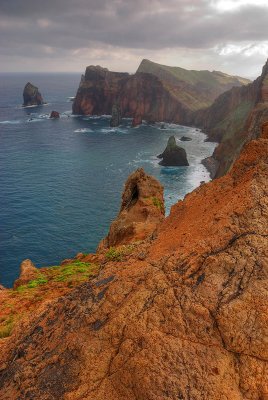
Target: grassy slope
{"type": "Point", "coordinates": [194, 89]}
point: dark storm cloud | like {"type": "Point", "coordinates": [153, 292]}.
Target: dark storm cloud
{"type": "Point", "coordinates": [151, 24]}
{"type": "Point", "coordinates": [57, 28]}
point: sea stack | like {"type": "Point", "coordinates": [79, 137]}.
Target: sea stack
{"type": "Point", "coordinates": [116, 116]}
{"type": "Point", "coordinates": [54, 115]}
{"type": "Point", "coordinates": [173, 155]}
{"type": "Point", "coordinates": [31, 96]}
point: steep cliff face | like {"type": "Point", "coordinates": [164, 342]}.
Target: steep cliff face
{"type": "Point", "coordinates": [183, 316]}
{"type": "Point", "coordinates": [234, 118]}
{"type": "Point", "coordinates": [154, 93]}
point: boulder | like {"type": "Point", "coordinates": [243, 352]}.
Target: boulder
{"type": "Point", "coordinates": [54, 114]}
{"type": "Point", "coordinates": [31, 96]}
{"type": "Point", "coordinates": [28, 272]}
{"type": "Point", "coordinates": [173, 155]}
{"type": "Point", "coordinates": [185, 139]}
{"type": "Point", "coordinates": [116, 116]}
{"type": "Point", "coordinates": [142, 209]}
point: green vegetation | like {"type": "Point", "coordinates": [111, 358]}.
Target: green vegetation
{"type": "Point", "coordinates": [157, 203]}
{"type": "Point", "coordinates": [118, 253]}
{"type": "Point", "coordinates": [6, 328]}
{"type": "Point", "coordinates": [114, 254]}
{"type": "Point", "coordinates": [77, 270]}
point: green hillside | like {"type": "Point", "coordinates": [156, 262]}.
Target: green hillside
{"type": "Point", "coordinates": [194, 89]}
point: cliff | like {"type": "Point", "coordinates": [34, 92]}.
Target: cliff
{"type": "Point", "coordinates": [154, 93]}
{"type": "Point", "coordinates": [233, 119]}
{"type": "Point", "coordinates": [179, 315]}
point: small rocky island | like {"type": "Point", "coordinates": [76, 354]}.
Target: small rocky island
{"type": "Point", "coordinates": [31, 96]}
{"type": "Point", "coordinates": [54, 115]}
{"type": "Point", "coordinates": [173, 155]}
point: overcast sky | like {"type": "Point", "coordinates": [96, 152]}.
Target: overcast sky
{"type": "Point", "coordinates": [68, 35]}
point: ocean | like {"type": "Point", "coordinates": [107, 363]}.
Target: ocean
{"type": "Point", "coordinates": [61, 180]}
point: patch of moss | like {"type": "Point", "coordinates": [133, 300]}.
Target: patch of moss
{"type": "Point", "coordinates": [157, 203]}
{"type": "Point", "coordinates": [6, 328]}
{"type": "Point", "coordinates": [77, 270]}
{"type": "Point", "coordinates": [114, 254]}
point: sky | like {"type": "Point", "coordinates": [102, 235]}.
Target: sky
{"type": "Point", "coordinates": [67, 35]}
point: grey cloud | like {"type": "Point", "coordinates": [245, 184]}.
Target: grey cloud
{"type": "Point", "coordinates": [30, 26]}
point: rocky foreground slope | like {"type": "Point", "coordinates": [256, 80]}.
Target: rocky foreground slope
{"type": "Point", "coordinates": [182, 314]}
{"type": "Point", "coordinates": [154, 93]}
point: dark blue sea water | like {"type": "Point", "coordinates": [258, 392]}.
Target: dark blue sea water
{"type": "Point", "coordinates": [61, 180]}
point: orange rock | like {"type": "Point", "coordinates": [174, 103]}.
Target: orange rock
{"type": "Point", "coordinates": [28, 272]}
{"type": "Point", "coordinates": [141, 211]}
{"type": "Point", "coordinates": [189, 321]}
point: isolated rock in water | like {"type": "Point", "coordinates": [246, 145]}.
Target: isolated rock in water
{"type": "Point", "coordinates": [31, 96]}
{"type": "Point", "coordinates": [163, 126]}
{"type": "Point", "coordinates": [142, 209]}
{"type": "Point", "coordinates": [173, 155]}
{"type": "Point", "coordinates": [28, 272]}
{"type": "Point", "coordinates": [54, 114]}
{"type": "Point", "coordinates": [185, 139]}
{"type": "Point", "coordinates": [137, 120]}
{"type": "Point", "coordinates": [116, 116]}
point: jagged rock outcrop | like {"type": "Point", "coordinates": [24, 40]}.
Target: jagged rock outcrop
{"type": "Point", "coordinates": [235, 118]}
{"type": "Point", "coordinates": [28, 271]}
{"type": "Point", "coordinates": [187, 320]}
{"type": "Point", "coordinates": [54, 114]}
{"type": "Point", "coordinates": [137, 120]}
{"type": "Point", "coordinates": [173, 155]}
{"type": "Point", "coordinates": [116, 116]}
{"type": "Point", "coordinates": [185, 139]}
{"type": "Point", "coordinates": [154, 93]}
{"type": "Point", "coordinates": [142, 209]}
{"type": "Point", "coordinates": [31, 96]}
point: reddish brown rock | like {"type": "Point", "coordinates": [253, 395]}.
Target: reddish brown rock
{"type": "Point", "coordinates": [142, 209]}
{"type": "Point", "coordinates": [264, 132]}
{"type": "Point", "coordinates": [188, 320]}
{"type": "Point", "coordinates": [137, 120]}
{"type": "Point", "coordinates": [54, 114]}
{"type": "Point", "coordinates": [28, 272]}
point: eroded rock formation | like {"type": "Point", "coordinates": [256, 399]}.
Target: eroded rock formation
{"type": "Point", "coordinates": [116, 116]}
{"type": "Point", "coordinates": [28, 271]}
{"type": "Point", "coordinates": [31, 96]}
{"type": "Point", "coordinates": [173, 155]}
{"type": "Point", "coordinates": [141, 211]}
{"type": "Point", "coordinates": [154, 93]}
{"type": "Point", "coordinates": [184, 316]}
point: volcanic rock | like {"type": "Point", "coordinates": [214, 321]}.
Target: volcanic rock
{"type": "Point", "coordinates": [235, 118]}
{"type": "Point", "coordinates": [54, 114]}
{"type": "Point", "coordinates": [173, 155]}
{"type": "Point", "coordinates": [142, 209]}
{"type": "Point", "coordinates": [28, 272]}
{"type": "Point", "coordinates": [185, 318]}
{"type": "Point", "coordinates": [185, 139]}
{"type": "Point", "coordinates": [116, 116]}
{"type": "Point", "coordinates": [31, 96]}
{"type": "Point", "coordinates": [154, 93]}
